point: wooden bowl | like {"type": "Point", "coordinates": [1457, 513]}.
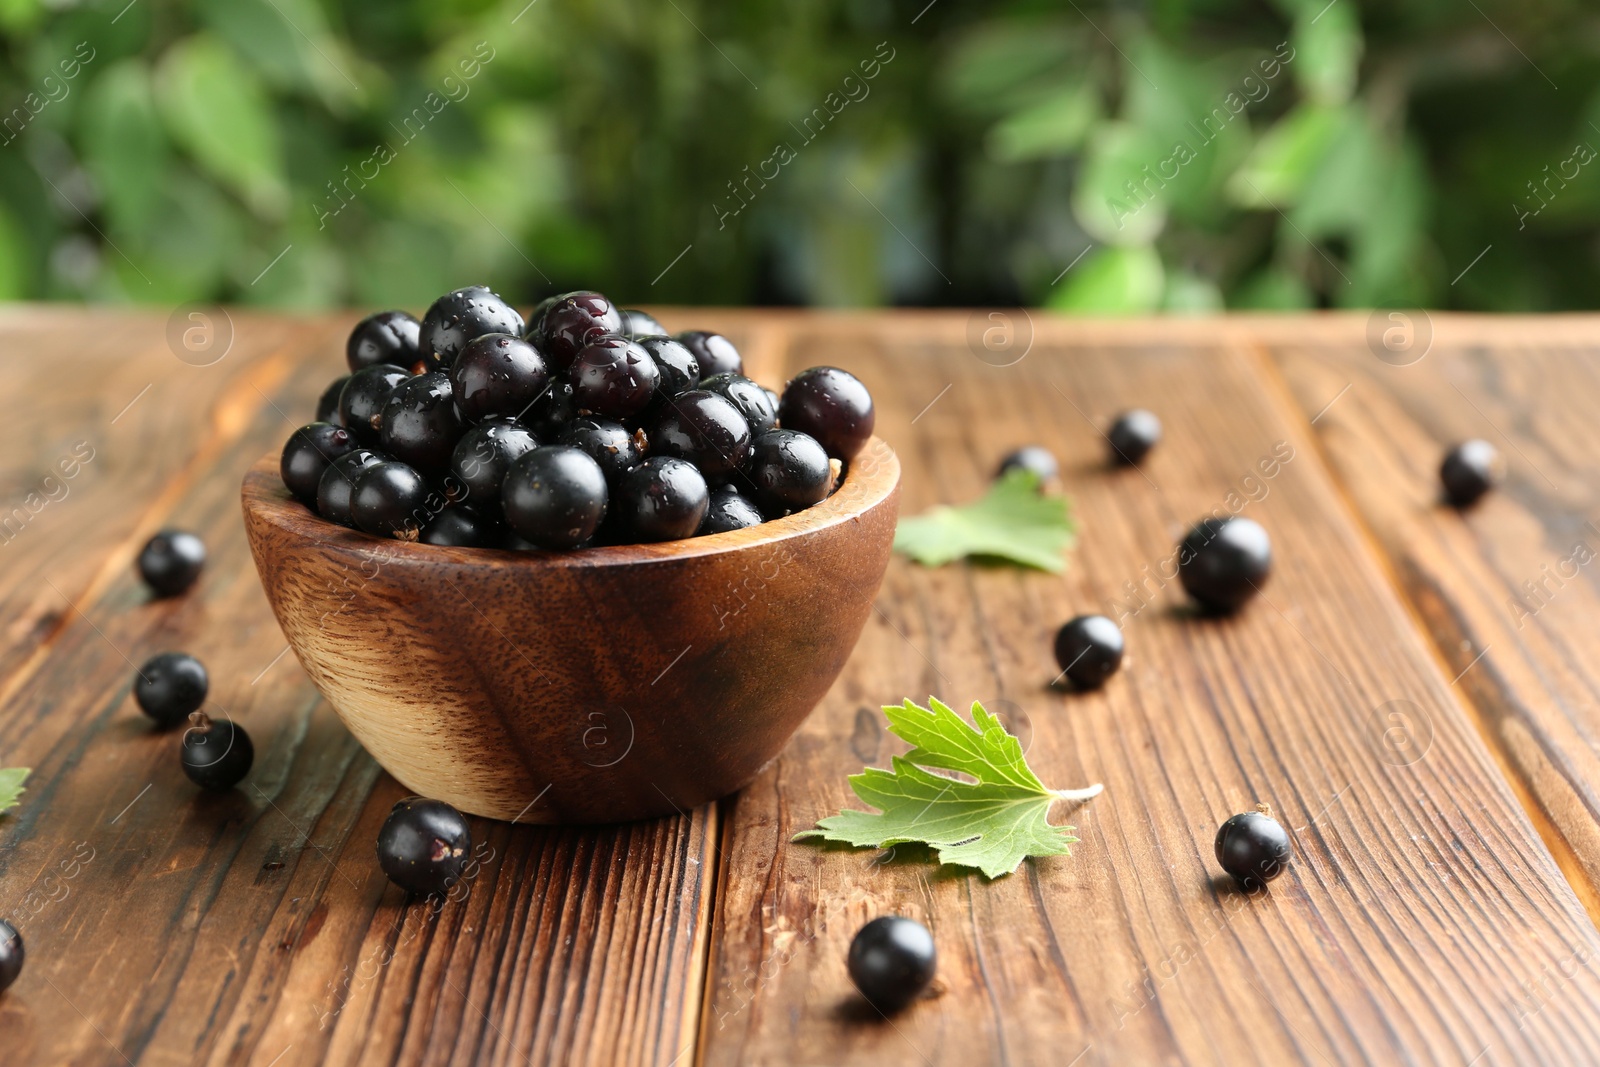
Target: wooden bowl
{"type": "Point", "coordinates": [593, 686]}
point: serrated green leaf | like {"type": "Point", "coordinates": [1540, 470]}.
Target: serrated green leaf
{"type": "Point", "coordinates": [992, 822]}
{"type": "Point", "coordinates": [11, 779]}
{"type": "Point", "coordinates": [1012, 521]}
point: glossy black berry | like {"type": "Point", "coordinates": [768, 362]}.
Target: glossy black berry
{"type": "Point", "coordinates": [1253, 847]}
{"type": "Point", "coordinates": [638, 324]}
{"type": "Point", "coordinates": [215, 753]}
{"type": "Point", "coordinates": [676, 366]}
{"type": "Point", "coordinates": [458, 317]}
{"type": "Point", "coordinates": [573, 322]}
{"type": "Point", "coordinates": [461, 527]}
{"type": "Point", "coordinates": [170, 687]}
{"type": "Point", "coordinates": [420, 422]}
{"type": "Point", "coordinates": [662, 499]}
{"type": "Point", "coordinates": [498, 375]}
{"type": "Point", "coordinates": [1035, 458]}
{"type": "Point", "coordinates": [609, 443]}
{"type": "Point", "coordinates": [714, 352]}
{"type": "Point", "coordinates": [328, 404]}
{"type": "Point", "coordinates": [390, 499]}
{"type": "Point", "coordinates": [365, 394]}
{"type": "Point", "coordinates": [1089, 650]}
{"type": "Point", "coordinates": [339, 481]}
{"type": "Point", "coordinates": [1470, 470]}
{"type": "Point", "coordinates": [170, 562]}
{"type": "Point", "coordinates": [552, 411]}
{"type": "Point", "coordinates": [387, 337]}
{"type": "Point", "coordinates": [703, 428]}
{"type": "Point", "coordinates": [424, 846]}
{"type": "Point", "coordinates": [728, 510]}
{"type": "Point", "coordinates": [614, 377]}
{"type": "Point", "coordinates": [1132, 435]}
{"type": "Point", "coordinates": [788, 471]}
{"type": "Point", "coordinates": [11, 955]}
{"type": "Point", "coordinates": [307, 455]}
{"type": "Point", "coordinates": [555, 496]}
{"type": "Point", "coordinates": [892, 960]}
{"type": "Point", "coordinates": [1224, 562]}
{"type": "Point", "coordinates": [831, 405]}
{"type": "Point", "coordinates": [754, 402]}
{"type": "Point", "coordinates": [483, 456]}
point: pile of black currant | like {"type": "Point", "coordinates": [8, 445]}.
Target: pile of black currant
{"type": "Point", "coordinates": [583, 425]}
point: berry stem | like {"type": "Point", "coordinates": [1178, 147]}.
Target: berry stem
{"type": "Point", "coordinates": [1080, 794]}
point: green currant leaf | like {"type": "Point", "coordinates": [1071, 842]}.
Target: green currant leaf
{"type": "Point", "coordinates": [11, 779]}
{"type": "Point", "coordinates": [992, 822]}
{"type": "Point", "coordinates": [1013, 521]}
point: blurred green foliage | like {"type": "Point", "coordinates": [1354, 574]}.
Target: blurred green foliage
{"type": "Point", "coordinates": [1185, 155]}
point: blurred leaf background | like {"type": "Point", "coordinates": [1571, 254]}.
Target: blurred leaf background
{"type": "Point", "coordinates": [1180, 155]}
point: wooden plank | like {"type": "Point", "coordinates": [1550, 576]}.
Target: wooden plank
{"type": "Point", "coordinates": [1507, 590]}
{"type": "Point", "coordinates": [1423, 920]}
{"type": "Point", "coordinates": [255, 927]}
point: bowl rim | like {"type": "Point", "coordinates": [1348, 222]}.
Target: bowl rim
{"type": "Point", "coordinates": [871, 479]}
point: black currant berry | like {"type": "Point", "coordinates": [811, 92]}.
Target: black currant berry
{"type": "Point", "coordinates": [1035, 458]}
{"type": "Point", "coordinates": [306, 457]}
{"type": "Point", "coordinates": [1089, 650]}
{"type": "Point", "coordinates": [612, 445]}
{"type": "Point", "coordinates": [714, 352]}
{"type": "Point", "coordinates": [216, 754]}
{"type": "Point", "coordinates": [361, 403]}
{"type": "Point", "coordinates": [728, 511]}
{"type": "Point", "coordinates": [458, 317]}
{"type": "Point", "coordinates": [789, 470]}
{"type": "Point", "coordinates": [753, 402]}
{"type": "Point", "coordinates": [11, 955]}
{"type": "Point", "coordinates": [387, 337]}
{"type": "Point", "coordinates": [573, 322]}
{"type": "Point", "coordinates": [390, 499]}
{"type": "Point", "coordinates": [614, 377]}
{"type": "Point", "coordinates": [550, 414]}
{"type": "Point", "coordinates": [420, 422]}
{"type": "Point", "coordinates": [424, 846]}
{"type": "Point", "coordinates": [831, 405]}
{"type": "Point", "coordinates": [662, 499]}
{"type": "Point", "coordinates": [1253, 847]}
{"type": "Point", "coordinates": [555, 496]}
{"type": "Point", "coordinates": [1132, 435]}
{"type": "Point", "coordinates": [1470, 470]}
{"type": "Point", "coordinates": [1223, 562]}
{"type": "Point", "coordinates": [498, 375]}
{"type": "Point", "coordinates": [339, 481]}
{"type": "Point", "coordinates": [676, 366]}
{"type": "Point", "coordinates": [461, 527]}
{"type": "Point", "coordinates": [328, 404]}
{"type": "Point", "coordinates": [171, 561]}
{"type": "Point", "coordinates": [892, 960]}
{"type": "Point", "coordinates": [484, 454]}
{"type": "Point", "coordinates": [703, 428]}
{"type": "Point", "coordinates": [640, 324]}
{"type": "Point", "coordinates": [171, 687]}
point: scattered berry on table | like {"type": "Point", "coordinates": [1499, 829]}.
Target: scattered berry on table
{"type": "Point", "coordinates": [1132, 435]}
{"type": "Point", "coordinates": [11, 955]}
{"type": "Point", "coordinates": [390, 499]}
{"type": "Point", "coordinates": [387, 337]}
{"type": "Point", "coordinates": [756, 404]}
{"type": "Point", "coordinates": [1089, 650]}
{"type": "Point", "coordinates": [1035, 458]}
{"type": "Point", "coordinates": [216, 753]}
{"type": "Point", "coordinates": [573, 322]}
{"type": "Point", "coordinates": [424, 846]}
{"type": "Point", "coordinates": [458, 317]}
{"type": "Point", "coordinates": [714, 352]}
{"type": "Point", "coordinates": [170, 687]}
{"type": "Point", "coordinates": [609, 443]}
{"type": "Point", "coordinates": [170, 562]}
{"type": "Point", "coordinates": [662, 499]}
{"type": "Point", "coordinates": [365, 394]}
{"type": "Point", "coordinates": [1224, 562]}
{"type": "Point", "coordinates": [307, 456]}
{"type": "Point", "coordinates": [484, 454]}
{"type": "Point", "coordinates": [788, 471]}
{"type": "Point", "coordinates": [1470, 470]}
{"type": "Point", "coordinates": [728, 510]}
{"type": "Point", "coordinates": [498, 375]}
{"type": "Point", "coordinates": [328, 404]}
{"type": "Point", "coordinates": [420, 422]}
{"type": "Point", "coordinates": [639, 324]}
{"type": "Point", "coordinates": [339, 482]}
{"type": "Point", "coordinates": [831, 405]}
{"type": "Point", "coordinates": [703, 428]}
{"type": "Point", "coordinates": [1253, 847]}
{"type": "Point", "coordinates": [892, 960]}
{"type": "Point", "coordinates": [614, 377]}
{"type": "Point", "coordinates": [555, 496]}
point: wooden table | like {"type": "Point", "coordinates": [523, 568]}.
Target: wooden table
{"type": "Point", "coordinates": [1415, 694]}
